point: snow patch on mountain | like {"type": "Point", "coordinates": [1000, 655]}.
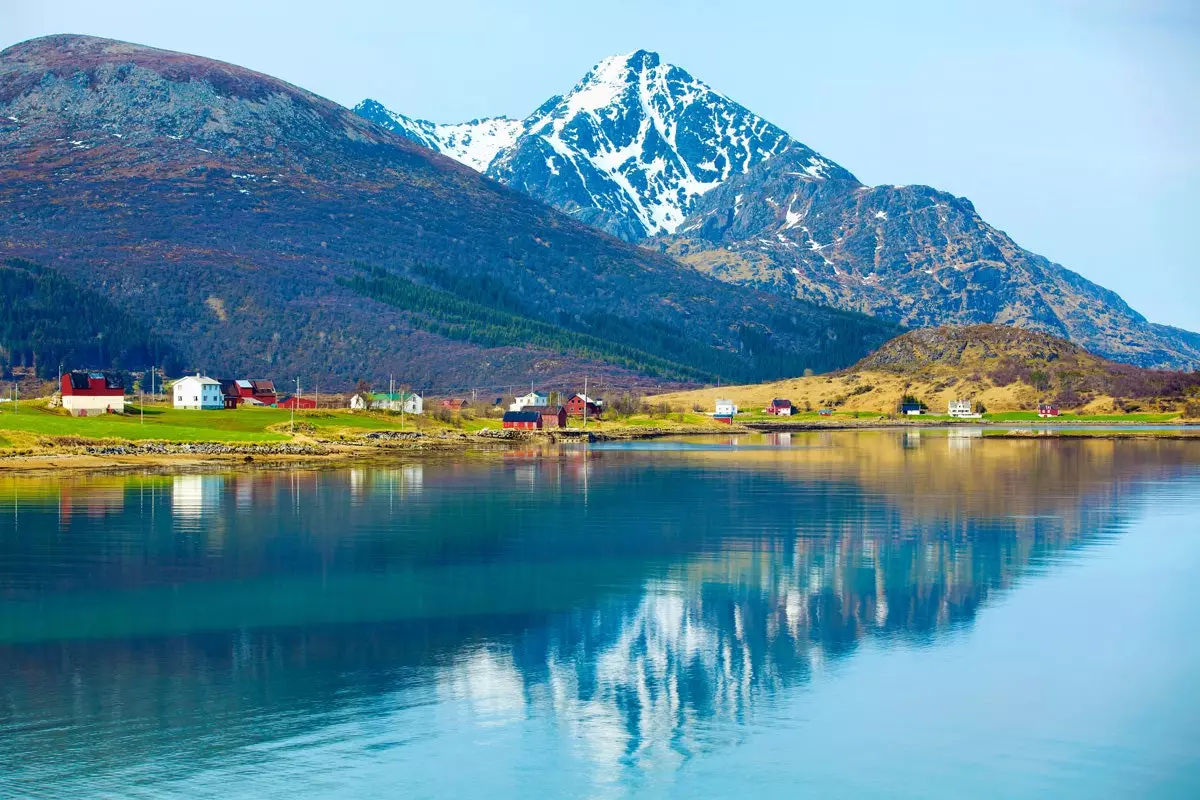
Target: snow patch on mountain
{"type": "Point", "coordinates": [474, 143]}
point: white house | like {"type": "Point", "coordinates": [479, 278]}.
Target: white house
{"type": "Point", "coordinates": [726, 408]}
{"type": "Point", "coordinates": [198, 392]}
{"type": "Point", "coordinates": [408, 402]}
{"type": "Point", "coordinates": [531, 399]}
{"type": "Point", "coordinates": [359, 402]}
{"type": "Point", "coordinates": [962, 410]}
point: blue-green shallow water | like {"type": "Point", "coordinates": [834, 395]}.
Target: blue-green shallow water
{"type": "Point", "coordinates": [850, 614]}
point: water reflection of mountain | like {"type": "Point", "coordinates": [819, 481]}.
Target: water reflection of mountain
{"type": "Point", "coordinates": [640, 600]}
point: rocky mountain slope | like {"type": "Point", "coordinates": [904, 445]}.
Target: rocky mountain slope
{"type": "Point", "coordinates": [999, 366]}
{"type": "Point", "coordinates": [642, 149]}
{"type": "Point", "coordinates": [908, 253]}
{"type": "Point", "coordinates": [260, 229]}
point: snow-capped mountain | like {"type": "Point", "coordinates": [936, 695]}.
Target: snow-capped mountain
{"type": "Point", "coordinates": [628, 149]}
{"type": "Point", "coordinates": [646, 152]}
{"type": "Point", "coordinates": [474, 143]}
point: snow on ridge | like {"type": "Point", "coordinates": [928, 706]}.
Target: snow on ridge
{"type": "Point", "coordinates": [475, 143]}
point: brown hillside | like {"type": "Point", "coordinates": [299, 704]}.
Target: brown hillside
{"type": "Point", "coordinates": [1004, 368]}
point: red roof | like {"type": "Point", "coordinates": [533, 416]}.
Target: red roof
{"type": "Point", "coordinates": [92, 384]}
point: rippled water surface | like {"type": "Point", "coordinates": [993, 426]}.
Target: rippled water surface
{"type": "Point", "coordinates": [836, 614]}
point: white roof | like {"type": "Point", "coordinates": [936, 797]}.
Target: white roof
{"type": "Point", "coordinates": [203, 380]}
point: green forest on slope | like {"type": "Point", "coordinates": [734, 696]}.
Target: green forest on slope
{"type": "Point", "coordinates": [46, 320]}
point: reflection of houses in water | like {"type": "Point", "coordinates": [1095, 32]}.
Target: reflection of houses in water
{"type": "Point", "coordinates": [194, 496]}
{"type": "Point", "coordinates": [912, 439]}
{"type": "Point", "coordinates": [93, 502]}
{"type": "Point", "coordinates": [963, 438]}
{"type": "Point", "coordinates": [779, 439]}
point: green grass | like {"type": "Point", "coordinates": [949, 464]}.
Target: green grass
{"type": "Point", "coordinates": [178, 425]}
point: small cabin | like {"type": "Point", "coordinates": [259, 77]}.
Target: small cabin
{"type": "Point", "coordinates": [552, 416]}
{"type": "Point", "coordinates": [725, 408]}
{"type": "Point", "coordinates": [780, 407]}
{"type": "Point", "coordinates": [523, 420]}
{"type": "Point", "coordinates": [1047, 410]}
{"type": "Point", "coordinates": [826, 412]}
{"type": "Point", "coordinates": [87, 394]}
{"type": "Point", "coordinates": [454, 404]}
{"type": "Point", "coordinates": [912, 409]}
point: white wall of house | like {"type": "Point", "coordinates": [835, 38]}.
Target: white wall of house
{"type": "Point", "coordinates": [359, 402]}
{"type": "Point", "coordinates": [414, 404]}
{"type": "Point", "coordinates": [531, 399]}
{"type": "Point", "coordinates": [86, 405]}
{"type": "Point", "coordinates": [726, 408]}
{"type": "Point", "coordinates": [197, 392]}
{"type": "Point", "coordinates": [959, 408]}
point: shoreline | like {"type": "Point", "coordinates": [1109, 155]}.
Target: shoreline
{"type": "Point", "coordinates": [110, 455]}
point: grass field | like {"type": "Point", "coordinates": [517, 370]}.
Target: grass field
{"type": "Point", "coordinates": [177, 425]}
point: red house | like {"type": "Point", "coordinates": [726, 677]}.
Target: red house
{"type": "Point", "coordinates": [87, 394]}
{"type": "Point", "coordinates": [780, 407]}
{"type": "Point", "coordinates": [298, 402]}
{"type": "Point", "coordinates": [252, 393]}
{"type": "Point", "coordinates": [1047, 410]}
{"type": "Point", "coordinates": [579, 402]}
{"type": "Point", "coordinates": [552, 416]}
{"type": "Point", "coordinates": [454, 404]}
{"type": "Point", "coordinates": [523, 420]}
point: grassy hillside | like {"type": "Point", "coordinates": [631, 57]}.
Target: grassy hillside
{"type": "Point", "coordinates": [1004, 369]}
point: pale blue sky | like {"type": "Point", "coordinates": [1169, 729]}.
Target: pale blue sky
{"type": "Point", "coordinates": [1074, 125]}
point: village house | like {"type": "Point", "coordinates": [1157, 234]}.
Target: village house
{"type": "Point", "coordinates": [407, 402]}
{"type": "Point", "coordinates": [580, 403]}
{"type": "Point", "coordinates": [454, 404]}
{"type": "Point", "coordinates": [523, 420]}
{"type": "Point", "coordinates": [552, 416]}
{"type": "Point", "coordinates": [229, 393]}
{"type": "Point", "coordinates": [531, 399]}
{"type": "Point", "coordinates": [1047, 410]}
{"type": "Point", "coordinates": [961, 409]}
{"type": "Point", "coordinates": [256, 393]}
{"type": "Point", "coordinates": [912, 409]}
{"type": "Point", "coordinates": [86, 394]}
{"type": "Point", "coordinates": [198, 392]}
{"type": "Point", "coordinates": [726, 408]}
{"type": "Point", "coordinates": [780, 407]}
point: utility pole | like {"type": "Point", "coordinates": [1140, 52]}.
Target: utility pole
{"type": "Point", "coordinates": [585, 401]}
{"type": "Point", "coordinates": [295, 400]}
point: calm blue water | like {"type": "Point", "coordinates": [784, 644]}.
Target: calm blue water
{"type": "Point", "coordinates": [832, 614]}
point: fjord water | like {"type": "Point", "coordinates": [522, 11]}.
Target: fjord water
{"type": "Point", "coordinates": [832, 614]}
